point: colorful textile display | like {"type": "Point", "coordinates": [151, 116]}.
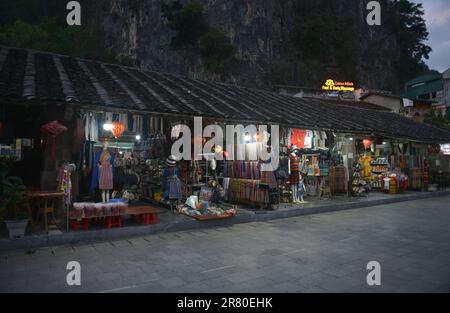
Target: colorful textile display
{"type": "Point", "coordinates": [249, 191]}
{"type": "Point", "coordinates": [207, 213]}
{"type": "Point", "coordinates": [338, 179]}
{"type": "Point", "coordinates": [90, 209]}
{"type": "Point", "coordinates": [242, 169]}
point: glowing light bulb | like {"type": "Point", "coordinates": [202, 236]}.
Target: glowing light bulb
{"type": "Point", "coordinates": [107, 126]}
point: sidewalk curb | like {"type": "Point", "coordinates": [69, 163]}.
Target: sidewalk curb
{"type": "Point", "coordinates": [80, 237]}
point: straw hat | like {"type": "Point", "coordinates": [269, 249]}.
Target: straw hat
{"type": "Point", "coordinates": [171, 161]}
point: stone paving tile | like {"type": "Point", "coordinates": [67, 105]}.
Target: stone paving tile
{"type": "Point", "coordinates": [321, 253]}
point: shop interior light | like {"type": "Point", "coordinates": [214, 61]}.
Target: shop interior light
{"type": "Point", "coordinates": [218, 149]}
{"type": "Point", "coordinates": [351, 138]}
{"type": "Point", "coordinates": [107, 126]}
{"type": "Point", "coordinates": [138, 137]}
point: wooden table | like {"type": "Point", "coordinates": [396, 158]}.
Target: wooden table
{"type": "Point", "coordinates": [43, 203]}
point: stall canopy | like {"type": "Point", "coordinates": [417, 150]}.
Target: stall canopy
{"type": "Point", "coordinates": [33, 77]}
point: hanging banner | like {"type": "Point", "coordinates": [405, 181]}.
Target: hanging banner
{"type": "Point", "coordinates": [407, 103]}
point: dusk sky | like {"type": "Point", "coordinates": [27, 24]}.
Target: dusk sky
{"type": "Point", "coordinates": [437, 15]}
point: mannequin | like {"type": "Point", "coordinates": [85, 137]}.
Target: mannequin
{"type": "Point", "coordinates": [172, 183]}
{"type": "Point", "coordinates": [294, 177]}
{"type": "Point", "coordinates": [105, 183]}
{"type": "Point", "coordinates": [301, 189]}
{"type": "Point", "coordinates": [301, 186]}
{"type": "Point", "coordinates": [103, 172]}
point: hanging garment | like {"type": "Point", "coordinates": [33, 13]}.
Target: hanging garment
{"type": "Point", "coordinates": [105, 177]}
{"type": "Point", "coordinates": [96, 167]}
{"type": "Point", "coordinates": [309, 140]}
{"type": "Point", "coordinates": [298, 137]}
{"type": "Point", "coordinates": [294, 178]}
{"type": "Point", "coordinates": [65, 184]}
{"type": "Point", "coordinates": [105, 171]}
{"type": "Point", "coordinates": [91, 127]}
{"type": "Point", "coordinates": [173, 187]}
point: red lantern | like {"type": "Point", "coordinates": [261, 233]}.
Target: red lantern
{"type": "Point", "coordinates": [367, 143]}
{"type": "Point", "coordinates": [53, 129]}
{"type": "Point", "coordinates": [117, 129]}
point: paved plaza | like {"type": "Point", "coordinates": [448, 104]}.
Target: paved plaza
{"type": "Point", "coordinates": [318, 253]}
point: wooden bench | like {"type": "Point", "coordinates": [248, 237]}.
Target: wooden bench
{"type": "Point", "coordinates": [146, 214]}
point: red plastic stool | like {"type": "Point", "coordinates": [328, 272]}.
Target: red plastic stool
{"type": "Point", "coordinates": [153, 218]}
{"type": "Point", "coordinates": [74, 225]}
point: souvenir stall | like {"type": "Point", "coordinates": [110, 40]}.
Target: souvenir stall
{"type": "Point", "coordinates": [307, 164]}
{"type": "Point", "coordinates": [342, 154]}
{"type": "Point", "coordinates": [383, 164]}
{"type": "Point", "coordinates": [244, 182]}
{"type": "Point", "coordinates": [120, 166]}
{"type": "Point", "coordinates": [204, 184]}
{"type": "Point", "coordinates": [418, 167]}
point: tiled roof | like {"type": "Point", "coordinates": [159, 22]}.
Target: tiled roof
{"type": "Point", "coordinates": [359, 104]}
{"type": "Point", "coordinates": [33, 77]}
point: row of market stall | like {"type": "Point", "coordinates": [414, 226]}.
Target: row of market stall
{"type": "Point", "coordinates": [103, 135]}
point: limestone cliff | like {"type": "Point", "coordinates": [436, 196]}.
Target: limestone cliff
{"type": "Point", "coordinates": [261, 30]}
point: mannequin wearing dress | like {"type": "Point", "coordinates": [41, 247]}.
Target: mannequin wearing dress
{"type": "Point", "coordinates": [102, 176]}
{"type": "Point", "coordinates": [294, 177]}
{"type": "Point", "coordinates": [105, 175]}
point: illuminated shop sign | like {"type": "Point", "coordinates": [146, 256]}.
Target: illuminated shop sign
{"type": "Point", "coordinates": [332, 85]}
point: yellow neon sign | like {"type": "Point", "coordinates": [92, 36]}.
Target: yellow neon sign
{"type": "Point", "coordinates": [332, 85]}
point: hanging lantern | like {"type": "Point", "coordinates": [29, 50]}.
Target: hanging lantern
{"type": "Point", "coordinates": [367, 143]}
{"type": "Point", "coordinates": [117, 129]}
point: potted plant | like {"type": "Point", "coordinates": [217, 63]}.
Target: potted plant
{"type": "Point", "coordinates": [13, 195]}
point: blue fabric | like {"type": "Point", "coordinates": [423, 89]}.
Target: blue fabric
{"type": "Point", "coordinates": [94, 182]}
{"type": "Point", "coordinates": [172, 184]}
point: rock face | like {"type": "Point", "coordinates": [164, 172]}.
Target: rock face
{"type": "Point", "coordinates": [260, 30]}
